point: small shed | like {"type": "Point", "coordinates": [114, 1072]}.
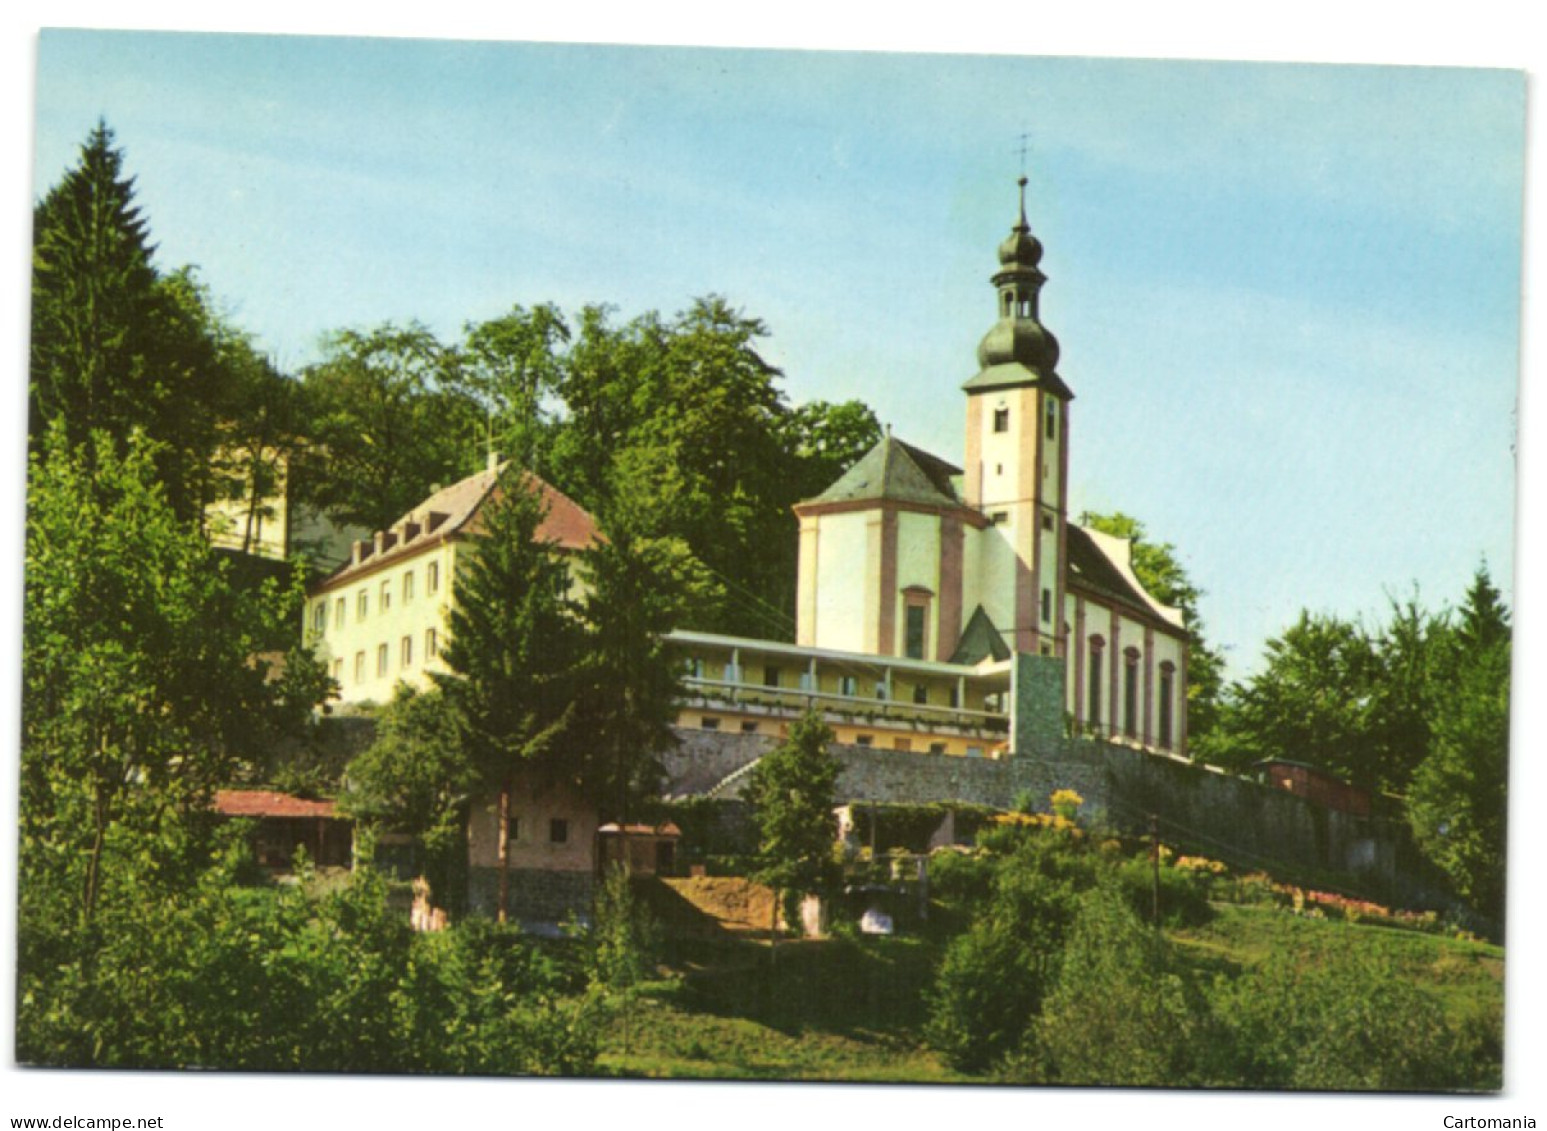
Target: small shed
{"type": "Point", "coordinates": [1314, 784]}
{"type": "Point", "coordinates": [286, 822]}
{"type": "Point", "coordinates": [645, 850]}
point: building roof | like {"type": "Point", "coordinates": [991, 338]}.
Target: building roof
{"type": "Point", "coordinates": [895, 471]}
{"type": "Point", "coordinates": [268, 803]}
{"type": "Point", "coordinates": [456, 510]}
{"type": "Point", "coordinates": [1100, 564]}
{"type": "Point", "coordinates": [1013, 374]}
{"type": "Point", "coordinates": [669, 829]}
{"type": "Point", "coordinates": [980, 641]}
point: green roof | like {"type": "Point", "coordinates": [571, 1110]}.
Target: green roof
{"type": "Point", "coordinates": [980, 640]}
{"type": "Point", "coordinates": [1012, 374]}
{"type": "Point", "coordinates": [896, 471]}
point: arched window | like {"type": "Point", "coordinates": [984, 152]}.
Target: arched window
{"type": "Point", "coordinates": [1093, 687]}
{"type": "Point", "coordinates": [1167, 699]}
{"type": "Point", "coordinates": [1131, 692]}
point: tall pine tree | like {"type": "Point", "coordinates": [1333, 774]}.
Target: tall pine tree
{"type": "Point", "coordinates": [514, 650]}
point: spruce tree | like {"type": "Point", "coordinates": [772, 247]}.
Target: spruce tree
{"type": "Point", "coordinates": [515, 643]}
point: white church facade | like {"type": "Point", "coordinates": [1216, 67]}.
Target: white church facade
{"type": "Point", "coordinates": [919, 576]}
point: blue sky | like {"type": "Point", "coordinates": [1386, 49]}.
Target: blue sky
{"type": "Point", "coordinates": [1288, 295]}
{"type": "Point", "coordinates": [1302, 287]}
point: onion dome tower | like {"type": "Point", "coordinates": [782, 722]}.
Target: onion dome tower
{"type": "Point", "coordinates": [1017, 453]}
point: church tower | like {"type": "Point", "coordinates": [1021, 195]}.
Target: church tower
{"type": "Point", "coordinates": [1018, 456]}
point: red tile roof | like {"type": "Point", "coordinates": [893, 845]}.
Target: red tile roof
{"type": "Point", "coordinates": [455, 510]}
{"type": "Point", "coordinates": [267, 803]}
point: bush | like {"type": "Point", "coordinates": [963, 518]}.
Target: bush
{"type": "Point", "coordinates": [1120, 1011]}
{"type": "Point", "coordinates": [1344, 1021]}
{"type": "Point", "coordinates": [993, 978]}
{"type": "Point", "coordinates": [1184, 900]}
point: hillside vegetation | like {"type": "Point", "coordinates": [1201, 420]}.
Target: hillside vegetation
{"type": "Point", "coordinates": [1036, 965]}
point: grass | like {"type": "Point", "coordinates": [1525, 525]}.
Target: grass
{"type": "Point", "coordinates": [853, 1009]}
{"type": "Point", "coordinates": [838, 1009]}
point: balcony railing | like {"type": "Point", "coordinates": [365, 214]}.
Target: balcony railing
{"type": "Point", "coordinates": [761, 699]}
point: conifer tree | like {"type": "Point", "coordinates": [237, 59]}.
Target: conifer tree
{"type": "Point", "coordinates": [791, 794]}
{"type": "Point", "coordinates": [514, 648]}
{"type": "Point", "coordinates": [1458, 802]}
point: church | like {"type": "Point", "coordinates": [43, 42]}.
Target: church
{"type": "Point", "coordinates": [940, 609]}
{"type": "Point", "coordinates": [920, 582]}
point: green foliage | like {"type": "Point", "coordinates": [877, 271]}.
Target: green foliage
{"type": "Point", "coordinates": [1344, 1022]}
{"type": "Point", "coordinates": [791, 794]}
{"type": "Point", "coordinates": [118, 347]}
{"type": "Point", "coordinates": [994, 976]}
{"type": "Point", "coordinates": [896, 824]}
{"type": "Point", "coordinates": [388, 420]}
{"type": "Point", "coordinates": [416, 778]}
{"type": "Point", "coordinates": [1457, 804]}
{"type": "Point", "coordinates": [214, 975]}
{"type": "Point", "coordinates": [625, 936]}
{"type": "Point", "coordinates": [515, 644]}
{"type": "Point", "coordinates": [1183, 895]}
{"type": "Point", "coordinates": [629, 685]}
{"type": "Point", "coordinates": [1314, 702]}
{"type": "Point", "coordinates": [140, 688]}
{"type": "Point", "coordinates": [1121, 1011]}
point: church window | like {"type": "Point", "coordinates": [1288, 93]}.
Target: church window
{"type": "Point", "coordinates": [1167, 694]}
{"type": "Point", "coordinates": [1093, 695]}
{"type": "Point", "coordinates": [1047, 604]}
{"type": "Point", "coordinates": [1047, 523]}
{"type": "Point", "coordinates": [1131, 693]}
{"type": "Point", "coordinates": [914, 644]}
{"type": "Point", "coordinates": [1009, 304]}
{"type": "Point", "coordinates": [1050, 425]}
{"type": "Point", "coordinates": [1001, 419]}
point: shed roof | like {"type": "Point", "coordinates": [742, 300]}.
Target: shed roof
{"type": "Point", "coordinates": [270, 803]}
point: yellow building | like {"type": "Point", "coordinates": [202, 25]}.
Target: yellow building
{"type": "Point", "coordinates": [743, 686]}
{"type": "Point", "coordinates": [380, 618]}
